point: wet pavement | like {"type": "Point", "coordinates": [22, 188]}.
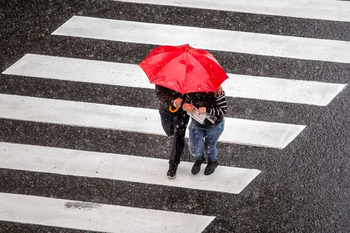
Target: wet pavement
{"type": "Point", "coordinates": [302, 188]}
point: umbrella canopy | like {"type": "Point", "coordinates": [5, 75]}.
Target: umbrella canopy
{"type": "Point", "coordinates": [183, 69]}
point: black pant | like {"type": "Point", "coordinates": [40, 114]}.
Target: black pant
{"type": "Point", "coordinates": [175, 125]}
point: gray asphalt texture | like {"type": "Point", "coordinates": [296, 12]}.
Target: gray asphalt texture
{"type": "Point", "coordinates": [302, 188]}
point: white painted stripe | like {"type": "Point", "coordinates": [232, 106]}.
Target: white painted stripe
{"type": "Point", "coordinates": [327, 10]}
{"type": "Point", "coordinates": [257, 133]}
{"type": "Point", "coordinates": [130, 168]}
{"type": "Point", "coordinates": [212, 39]}
{"type": "Point", "coordinates": [282, 90]}
{"type": "Point", "coordinates": [243, 86]}
{"type": "Point", "coordinates": [96, 217]}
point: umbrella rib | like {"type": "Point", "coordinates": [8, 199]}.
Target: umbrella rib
{"type": "Point", "coordinates": [199, 62]}
{"type": "Point", "coordinates": [207, 59]}
{"type": "Point", "coordinates": [171, 61]}
{"type": "Point", "coordinates": [185, 68]}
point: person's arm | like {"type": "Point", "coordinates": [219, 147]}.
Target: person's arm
{"type": "Point", "coordinates": [187, 105]}
{"type": "Point", "coordinates": [219, 109]}
{"type": "Point", "coordinates": [164, 95]}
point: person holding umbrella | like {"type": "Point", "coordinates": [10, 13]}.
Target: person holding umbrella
{"type": "Point", "coordinates": [174, 123]}
{"type": "Point", "coordinates": [176, 71]}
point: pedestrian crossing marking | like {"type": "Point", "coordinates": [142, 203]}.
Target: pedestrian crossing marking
{"type": "Point", "coordinates": [130, 75]}
{"type": "Point", "coordinates": [109, 218]}
{"type": "Point", "coordinates": [95, 216]}
{"type": "Point", "coordinates": [326, 10]}
{"type": "Point", "coordinates": [141, 120]}
{"type": "Point", "coordinates": [205, 38]}
{"type": "Point", "coordinates": [108, 166]}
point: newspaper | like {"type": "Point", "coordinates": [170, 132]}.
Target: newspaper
{"type": "Point", "coordinates": [198, 117]}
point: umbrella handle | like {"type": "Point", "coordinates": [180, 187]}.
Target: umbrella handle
{"type": "Point", "coordinates": [173, 110]}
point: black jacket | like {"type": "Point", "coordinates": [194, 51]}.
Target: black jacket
{"type": "Point", "coordinates": [166, 98]}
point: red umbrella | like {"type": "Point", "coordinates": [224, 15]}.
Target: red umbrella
{"type": "Point", "coordinates": [183, 69]}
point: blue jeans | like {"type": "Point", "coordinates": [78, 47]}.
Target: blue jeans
{"type": "Point", "coordinates": [210, 135]}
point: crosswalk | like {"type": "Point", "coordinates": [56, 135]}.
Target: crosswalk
{"type": "Point", "coordinates": [328, 10]}
{"type": "Point", "coordinates": [95, 217]}
{"type": "Point", "coordinates": [131, 75]}
{"type": "Point", "coordinates": [92, 214]}
{"type": "Point", "coordinates": [135, 169]}
{"type": "Point", "coordinates": [211, 39]}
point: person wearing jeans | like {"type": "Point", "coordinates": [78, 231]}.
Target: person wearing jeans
{"type": "Point", "coordinates": [214, 107]}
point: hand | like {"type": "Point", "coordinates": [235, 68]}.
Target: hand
{"type": "Point", "coordinates": [177, 102]}
{"type": "Point", "coordinates": [189, 108]}
{"type": "Point", "coordinates": [202, 110]}
{"type": "Point", "coordinates": [219, 91]}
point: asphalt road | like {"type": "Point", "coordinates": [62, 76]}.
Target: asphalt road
{"type": "Point", "coordinates": [302, 188]}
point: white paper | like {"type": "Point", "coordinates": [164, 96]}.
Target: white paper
{"type": "Point", "coordinates": [198, 117]}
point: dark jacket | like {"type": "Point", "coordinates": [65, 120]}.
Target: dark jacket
{"type": "Point", "coordinates": [216, 105]}
{"type": "Point", "coordinates": [166, 98]}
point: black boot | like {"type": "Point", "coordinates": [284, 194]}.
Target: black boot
{"type": "Point", "coordinates": [172, 171]}
{"type": "Point", "coordinates": [210, 167]}
{"type": "Point", "coordinates": [197, 166]}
